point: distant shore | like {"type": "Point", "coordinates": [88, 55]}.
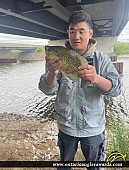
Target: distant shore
{"type": "Point", "coordinates": [39, 57]}
{"type": "Point", "coordinates": [14, 55]}
{"type": "Point", "coordinates": [123, 56]}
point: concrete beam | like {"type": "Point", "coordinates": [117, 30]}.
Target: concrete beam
{"type": "Point", "coordinates": [104, 44]}
{"type": "Point", "coordinates": [61, 11]}
{"type": "Point", "coordinates": [45, 20]}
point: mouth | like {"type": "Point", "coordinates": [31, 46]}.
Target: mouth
{"type": "Point", "coordinates": [77, 43]}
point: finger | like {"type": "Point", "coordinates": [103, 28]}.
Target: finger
{"type": "Point", "coordinates": [57, 63]}
{"type": "Point", "coordinates": [56, 58]}
{"type": "Point", "coordinates": [84, 76]}
{"type": "Point", "coordinates": [82, 72]}
{"type": "Point", "coordinates": [49, 64]}
{"type": "Point", "coordinates": [82, 67]}
{"type": "Point", "coordinates": [88, 67]}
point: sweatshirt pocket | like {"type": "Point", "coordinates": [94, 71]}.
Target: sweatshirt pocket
{"type": "Point", "coordinates": [65, 93]}
{"type": "Point", "coordinates": [94, 118]}
{"type": "Point", "coordinates": [63, 115]}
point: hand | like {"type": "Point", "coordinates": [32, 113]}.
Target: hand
{"type": "Point", "coordinates": [54, 65]}
{"type": "Point", "coordinates": [87, 72]}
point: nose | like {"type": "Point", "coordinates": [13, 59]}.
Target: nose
{"type": "Point", "coordinates": [76, 35]}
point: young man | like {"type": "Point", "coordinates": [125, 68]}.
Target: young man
{"type": "Point", "coordinates": [80, 112]}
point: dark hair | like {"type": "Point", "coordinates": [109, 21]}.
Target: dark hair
{"type": "Point", "coordinates": [80, 16]}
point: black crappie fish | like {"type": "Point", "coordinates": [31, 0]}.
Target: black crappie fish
{"type": "Point", "coordinates": [70, 61]}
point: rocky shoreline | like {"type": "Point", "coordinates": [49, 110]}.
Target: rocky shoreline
{"type": "Point", "coordinates": [25, 138]}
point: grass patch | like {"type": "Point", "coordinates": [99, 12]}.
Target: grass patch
{"type": "Point", "coordinates": [121, 48]}
{"type": "Point", "coordinates": [118, 137]}
{"type": "Point", "coordinates": [40, 49]}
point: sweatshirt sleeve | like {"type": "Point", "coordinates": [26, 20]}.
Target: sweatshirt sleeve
{"type": "Point", "coordinates": [45, 88]}
{"type": "Point", "coordinates": [108, 71]}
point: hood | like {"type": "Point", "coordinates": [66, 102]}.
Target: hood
{"type": "Point", "coordinates": [92, 47]}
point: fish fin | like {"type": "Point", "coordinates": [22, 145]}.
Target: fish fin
{"type": "Point", "coordinates": [85, 83]}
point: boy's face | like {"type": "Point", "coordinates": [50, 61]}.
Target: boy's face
{"type": "Point", "coordinates": [79, 35]}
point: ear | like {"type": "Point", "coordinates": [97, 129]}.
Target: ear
{"type": "Point", "coordinates": [91, 33]}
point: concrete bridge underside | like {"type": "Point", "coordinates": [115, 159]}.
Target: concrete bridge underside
{"type": "Point", "coordinates": [47, 19]}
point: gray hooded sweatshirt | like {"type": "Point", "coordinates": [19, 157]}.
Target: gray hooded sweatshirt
{"type": "Point", "coordinates": [80, 112]}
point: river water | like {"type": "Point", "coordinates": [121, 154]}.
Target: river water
{"type": "Point", "coordinates": [19, 91]}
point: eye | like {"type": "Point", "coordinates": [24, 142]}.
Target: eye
{"type": "Point", "coordinates": [82, 32]}
{"type": "Point", "coordinates": [72, 32]}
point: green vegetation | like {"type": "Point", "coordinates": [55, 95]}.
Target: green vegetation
{"type": "Point", "coordinates": [14, 54]}
{"type": "Point", "coordinates": [118, 138]}
{"type": "Point", "coordinates": [41, 49]}
{"type": "Point", "coordinates": [40, 53]}
{"type": "Point", "coordinates": [121, 48]}
{"type": "Point", "coordinates": [117, 126]}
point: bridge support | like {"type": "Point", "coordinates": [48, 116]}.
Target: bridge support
{"type": "Point", "coordinates": [105, 44]}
